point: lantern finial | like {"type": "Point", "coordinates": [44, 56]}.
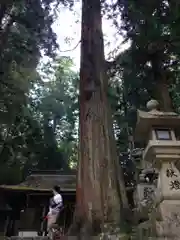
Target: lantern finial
{"type": "Point", "coordinates": [152, 105]}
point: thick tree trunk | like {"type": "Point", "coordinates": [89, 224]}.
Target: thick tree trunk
{"type": "Point", "coordinates": [98, 199]}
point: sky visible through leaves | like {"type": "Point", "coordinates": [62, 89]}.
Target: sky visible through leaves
{"type": "Point", "coordinates": [68, 30]}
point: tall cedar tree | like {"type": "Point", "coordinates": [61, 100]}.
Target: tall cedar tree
{"type": "Point", "coordinates": [98, 193]}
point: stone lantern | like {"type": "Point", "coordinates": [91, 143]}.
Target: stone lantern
{"type": "Point", "coordinates": [158, 130]}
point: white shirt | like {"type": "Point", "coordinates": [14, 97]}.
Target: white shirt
{"type": "Point", "coordinates": [55, 204]}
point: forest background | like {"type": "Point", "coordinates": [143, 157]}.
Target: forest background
{"type": "Point", "coordinates": [39, 87]}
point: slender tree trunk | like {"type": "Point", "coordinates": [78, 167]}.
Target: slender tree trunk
{"type": "Point", "coordinates": [98, 199]}
{"type": "Point", "coordinates": [161, 91]}
{"type": "Point", "coordinates": [163, 96]}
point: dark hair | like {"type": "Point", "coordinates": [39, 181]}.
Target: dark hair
{"type": "Point", "coordinates": [57, 189]}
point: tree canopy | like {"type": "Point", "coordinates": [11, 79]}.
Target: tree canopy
{"type": "Point", "coordinates": [39, 101]}
{"type": "Point", "coordinates": [29, 108]}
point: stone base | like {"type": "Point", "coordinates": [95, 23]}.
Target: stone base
{"type": "Point", "coordinates": [169, 226]}
{"type": "Point", "coordinates": [164, 223]}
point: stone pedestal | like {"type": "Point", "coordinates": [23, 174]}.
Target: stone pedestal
{"type": "Point", "coordinates": [158, 129]}
{"type": "Point", "coordinates": [169, 226]}
{"type": "Point", "coordinates": [168, 202]}
{"type": "Point", "coordinates": [168, 185]}
{"type": "Point", "coordinates": [144, 198]}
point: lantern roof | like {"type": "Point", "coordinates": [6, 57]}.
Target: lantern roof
{"type": "Point", "coordinates": [154, 118]}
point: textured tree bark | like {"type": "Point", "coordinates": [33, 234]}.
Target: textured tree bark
{"type": "Point", "coordinates": [161, 91]}
{"type": "Point", "coordinates": [98, 200]}
{"type": "Point", "coordinates": [163, 96]}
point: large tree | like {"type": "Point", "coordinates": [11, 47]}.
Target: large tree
{"type": "Point", "coordinates": [98, 194]}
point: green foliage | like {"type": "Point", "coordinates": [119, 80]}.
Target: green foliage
{"type": "Point", "coordinates": [57, 103]}
{"type": "Point", "coordinates": [44, 134]}
{"type": "Point", "coordinates": [153, 56]}
{"type": "Point", "coordinates": [39, 109]}
{"type": "Point", "coordinates": [151, 60]}
{"type": "Point", "coordinates": [25, 34]}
